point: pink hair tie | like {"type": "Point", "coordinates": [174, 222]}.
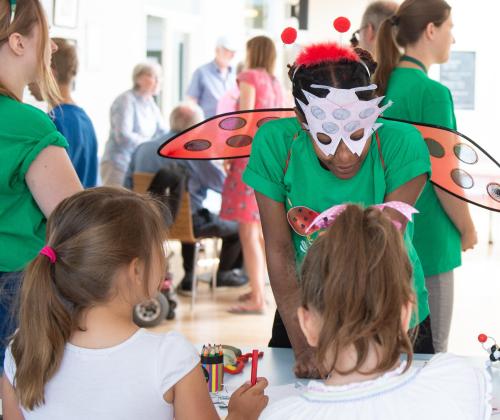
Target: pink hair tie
{"type": "Point", "coordinates": [49, 252]}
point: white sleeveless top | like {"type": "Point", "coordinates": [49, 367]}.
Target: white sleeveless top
{"type": "Point", "coordinates": [447, 387]}
{"type": "Point", "coordinates": [123, 382]}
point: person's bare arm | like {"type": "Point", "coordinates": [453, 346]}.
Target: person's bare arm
{"type": "Point", "coordinates": [10, 404]}
{"type": "Point", "coordinates": [246, 403]}
{"type": "Point", "coordinates": [284, 283]}
{"type": "Point", "coordinates": [247, 96]}
{"type": "Point", "coordinates": [407, 193]}
{"type": "Point", "coordinates": [190, 397]}
{"type": "Point", "coordinates": [51, 178]}
{"type": "Point", "coordinates": [458, 211]}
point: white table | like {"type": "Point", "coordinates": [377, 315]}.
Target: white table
{"type": "Point", "coordinates": [277, 367]}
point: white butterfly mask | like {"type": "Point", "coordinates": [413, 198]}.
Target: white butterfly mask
{"type": "Point", "coordinates": [337, 116]}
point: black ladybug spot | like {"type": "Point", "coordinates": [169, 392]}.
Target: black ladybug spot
{"type": "Point", "coordinates": [232, 123]}
{"type": "Point", "coordinates": [462, 178]}
{"type": "Point", "coordinates": [435, 148]}
{"type": "Point", "coordinates": [197, 145]}
{"type": "Point", "coordinates": [494, 191]}
{"type": "Point", "coordinates": [240, 140]}
{"type": "Point", "coordinates": [264, 120]}
{"type": "Point", "coordinates": [465, 153]}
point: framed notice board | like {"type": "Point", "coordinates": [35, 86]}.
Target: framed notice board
{"type": "Point", "coordinates": [459, 75]}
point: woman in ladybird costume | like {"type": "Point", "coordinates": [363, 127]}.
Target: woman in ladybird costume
{"type": "Point", "coordinates": [335, 151]}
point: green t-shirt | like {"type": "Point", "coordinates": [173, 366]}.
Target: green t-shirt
{"type": "Point", "coordinates": [307, 183]}
{"type": "Point", "coordinates": [24, 132]}
{"type": "Point", "coordinates": [420, 99]}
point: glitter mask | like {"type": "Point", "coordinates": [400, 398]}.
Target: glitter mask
{"type": "Point", "coordinates": [339, 115]}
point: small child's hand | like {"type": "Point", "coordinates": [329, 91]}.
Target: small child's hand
{"type": "Point", "coordinates": [248, 401]}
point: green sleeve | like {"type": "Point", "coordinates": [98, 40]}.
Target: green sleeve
{"type": "Point", "coordinates": [53, 139]}
{"type": "Point", "coordinates": [439, 109]}
{"type": "Point", "coordinates": [265, 169]}
{"type": "Point", "coordinates": [406, 157]}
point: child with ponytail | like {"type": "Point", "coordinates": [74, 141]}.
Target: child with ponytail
{"type": "Point", "coordinates": [357, 301]}
{"type": "Point", "coordinates": [77, 353]}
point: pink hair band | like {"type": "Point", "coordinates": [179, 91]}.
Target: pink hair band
{"type": "Point", "coordinates": [49, 252]}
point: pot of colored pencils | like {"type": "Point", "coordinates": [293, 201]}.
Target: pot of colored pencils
{"type": "Point", "coordinates": [212, 361]}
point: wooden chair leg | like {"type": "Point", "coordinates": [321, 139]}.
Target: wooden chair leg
{"type": "Point", "coordinates": [195, 274]}
{"type": "Point", "coordinates": [215, 267]}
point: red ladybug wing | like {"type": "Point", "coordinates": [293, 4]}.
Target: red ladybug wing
{"type": "Point", "coordinates": [462, 168]}
{"type": "Point", "coordinates": [224, 136]}
{"type": "Point", "coordinates": [300, 218]}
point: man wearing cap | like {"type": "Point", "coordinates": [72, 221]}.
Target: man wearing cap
{"type": "Point", "coordinates": [213, 79]}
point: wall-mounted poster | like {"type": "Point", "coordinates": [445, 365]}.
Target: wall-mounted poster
{"type": "Point", "coordinates": [459, 75]}
{"type": "Point", "coordinates": [66, 13]}
{"type": "Point", "coordinates": [48, 6]}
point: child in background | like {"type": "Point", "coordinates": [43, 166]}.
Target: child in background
{"type": "Point", "coordinates": [71, 120]}
{"type": "Point", "coordinates": [77, 353]}
{"type": "Point", "coordinates": [357, 301]}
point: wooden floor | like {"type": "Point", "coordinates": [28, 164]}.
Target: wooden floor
{"type": "Point", "coordinates": [210, 322]}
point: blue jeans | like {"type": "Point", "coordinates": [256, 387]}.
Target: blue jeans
{"type": "Point", "coordinates": [9, 288]}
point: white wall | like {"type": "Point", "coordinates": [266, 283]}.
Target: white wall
{"type": "Point", "coordinates": [112, 38]}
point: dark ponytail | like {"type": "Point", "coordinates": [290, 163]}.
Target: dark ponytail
{"type": "Point", "coordinates": [342, 74]}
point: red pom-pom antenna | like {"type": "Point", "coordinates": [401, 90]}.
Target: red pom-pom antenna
{"type": "Point", "coordinates": [341, 24]}
{"type": "Point", "coordinates": [482, 338]}
{"type": "Point", "coordinates": [289, 35]}
{"type": "Point", "coordinates": [321, 53]}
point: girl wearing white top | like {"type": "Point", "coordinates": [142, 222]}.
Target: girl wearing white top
{"type": "Point", "coordinates": [77, 353]}
{"type": "Point", "coordinates": [357, 303]}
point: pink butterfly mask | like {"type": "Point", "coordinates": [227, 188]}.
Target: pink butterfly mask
{"type": "Point", "coordinates": [305, 221]}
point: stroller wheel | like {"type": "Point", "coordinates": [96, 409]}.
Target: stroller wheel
{"type": "Point", "coordinates": [152, 312]}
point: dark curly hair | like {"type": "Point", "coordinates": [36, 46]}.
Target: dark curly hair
{"type": "Point", "coordinates": [343, 74]}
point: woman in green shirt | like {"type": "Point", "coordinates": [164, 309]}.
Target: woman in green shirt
{"type": "Point", "coordinates": [36, 173]}
{"type": "Point", "coordinates": [443, 227]}
{"type": "Point", "coordinates": [288, 167]}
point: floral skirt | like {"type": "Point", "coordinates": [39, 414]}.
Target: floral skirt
{"type": "Point", "coordinates": [238, 199]}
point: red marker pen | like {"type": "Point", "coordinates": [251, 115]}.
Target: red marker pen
{"type": "Point", "coordinates": [255, 361]}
